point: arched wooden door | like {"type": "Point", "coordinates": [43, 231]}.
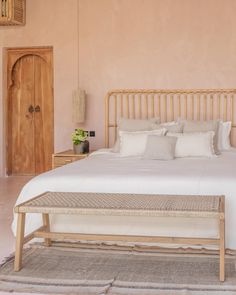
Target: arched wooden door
{"type": "Point", "coordinates": [30, 139]}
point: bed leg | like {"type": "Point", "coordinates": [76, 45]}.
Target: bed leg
{"type": "Point", "coordinates": [19, 241]}
{"type": "Point", "coordinates": [46, 223]}
{"type": "Point", "coordinates": [222, 249]}
{"type": "Point", "coordinates": [222, 238]}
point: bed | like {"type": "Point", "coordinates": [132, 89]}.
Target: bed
{"type": "Point", "coordinates": [106, 171]}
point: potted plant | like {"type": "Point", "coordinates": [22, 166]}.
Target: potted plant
{"type": "Point", "coordinates": [79, 139]}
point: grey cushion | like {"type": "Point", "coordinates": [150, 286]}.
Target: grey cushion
{"type": "Point", "coordinates": [160, 148]}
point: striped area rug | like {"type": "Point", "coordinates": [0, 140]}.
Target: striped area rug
{"type": "Point", "coordinates": [64, 270]}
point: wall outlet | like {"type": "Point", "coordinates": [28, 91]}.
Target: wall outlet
{"type": "Point", "coordinates": [92, 133]}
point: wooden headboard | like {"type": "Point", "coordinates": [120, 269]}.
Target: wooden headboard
{"type": "Point", "coordinates": [196, 104]}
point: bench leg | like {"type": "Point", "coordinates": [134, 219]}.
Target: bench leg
{"type": "Point", "coordinates": [222, 248]}
{"type": "Point", "coordinates": [46, 223]}
{"type": "Point", "coordinates": [19, 241]}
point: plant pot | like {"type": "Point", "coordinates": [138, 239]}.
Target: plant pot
{"type": "Point", "coordinates": [81, 148]}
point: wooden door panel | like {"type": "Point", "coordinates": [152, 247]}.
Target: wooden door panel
{"type": "Point", "coordinates": [30, 136]}
{"type": "Point", "coordinates": [43, 115]}
{"type": "Point", "coordinates": [22, 122]}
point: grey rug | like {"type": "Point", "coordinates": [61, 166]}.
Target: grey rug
{"type": "Point", "coordinates": [58, 270]}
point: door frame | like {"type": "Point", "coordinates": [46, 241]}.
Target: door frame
{"type": "Point", "coordinates": [20, 52]}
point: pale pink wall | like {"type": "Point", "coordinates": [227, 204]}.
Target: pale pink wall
{"type": "Point", "coordinates": [126, 44]}
{"type": "Point", "coordinates": [49, 23]}
{"type": "Point", "coordinates": [153, 44]}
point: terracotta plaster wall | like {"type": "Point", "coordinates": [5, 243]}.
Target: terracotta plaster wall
{"type": "Point", "coordinates": [153, 44]}
{"type": "Point", "coordinates": [49, 23]}
{"type": "Point", "coordinates": [108, 44]}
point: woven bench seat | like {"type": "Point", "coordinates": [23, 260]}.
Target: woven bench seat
{"type": "Point", "coordinates": [122, 205]}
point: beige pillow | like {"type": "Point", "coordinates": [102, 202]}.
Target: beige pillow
{"type": "Point", "coordinates": [203, 126]}
{"type": "Point", "coordinates": [169, 126]}
{"type": "Point", "coordinates": [136, 124]}
{"type": "Point", "coordinates": [160, 148]}
{"type": "Point", "coordinates": [133, 125]}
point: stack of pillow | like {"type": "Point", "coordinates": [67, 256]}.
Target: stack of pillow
{"type": "Point", "coordinates": [151, 139]}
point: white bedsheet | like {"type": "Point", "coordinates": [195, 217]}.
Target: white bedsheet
{"type": "Point", "coordinates": [105, 171]}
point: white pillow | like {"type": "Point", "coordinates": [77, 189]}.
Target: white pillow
{"type": "Point", "coordinates": [224, 136]}
{"type": "Point", "coordinates": [133, 125]}
{"type": "Point", "coordinates": [134, 143]}
{"type": "Point", "coordinates": [194, 144]}
{"type": "Point", "coordinates": [203, 126]}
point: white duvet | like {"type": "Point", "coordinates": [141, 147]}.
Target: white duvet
{"type": "Point", "coordinates": [105, 171]}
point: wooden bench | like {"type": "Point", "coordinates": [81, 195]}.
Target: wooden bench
{"type": "Point", "coordinates": [122, 205]}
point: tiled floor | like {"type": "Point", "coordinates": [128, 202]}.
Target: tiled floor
{"type": "Point", "coordinates": [9, 190]}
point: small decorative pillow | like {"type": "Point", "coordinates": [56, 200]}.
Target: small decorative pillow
{"type": "Point", "coordinates": [203, 126]}
{"type": "Point", "coordinates": [194, 144]}
{"type": "Point", "coordinates": [134, 143]}
{"type": "Point", "coordinates": [132, 125]}
{"type": "Point", "coordinates": [224, 136]}
{"type": "Point", "coordinates": [160, 148]}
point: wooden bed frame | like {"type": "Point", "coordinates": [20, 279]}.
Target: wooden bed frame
{"type": "Point", "coordinates": [168, 105]}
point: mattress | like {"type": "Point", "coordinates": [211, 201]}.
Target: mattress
{"type": "Point", "coordinates": [104, 171]}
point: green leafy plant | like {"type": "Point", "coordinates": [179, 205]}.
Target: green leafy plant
{"type": "Point", "coordinates": [79, 135]}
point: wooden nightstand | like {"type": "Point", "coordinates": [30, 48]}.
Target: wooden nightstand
{"type": "Point", "coordinates": [66, 157]}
